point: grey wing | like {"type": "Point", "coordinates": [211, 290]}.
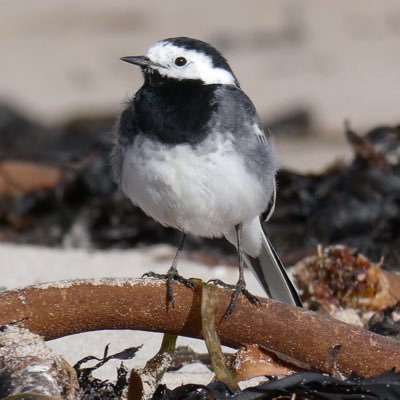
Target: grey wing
{"type": "Point", "coordinates": [123, 133]}
{"type": "Point", "coordinates": [239, 118]}
{"type": "Point", "coordinates": [259, 154]}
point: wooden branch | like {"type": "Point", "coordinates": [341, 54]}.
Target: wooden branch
{"type": "Point", "coordinates": [59, 309]}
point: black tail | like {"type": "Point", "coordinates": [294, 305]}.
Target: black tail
{"type": "Point", "coordinates": [272, 276]}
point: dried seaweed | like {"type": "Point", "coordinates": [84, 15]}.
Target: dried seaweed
{"type": "Point", "coordinates": [340, 277]}
{"type": "Point", "coordinates": [96, 389]}
{"type": "Point", "coordinates": [357, 204]}
{"type": "Point", "coordinates": [301, 386]}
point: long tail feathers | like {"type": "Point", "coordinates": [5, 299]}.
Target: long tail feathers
{"type": "Point", "coordinates": [272, 276]}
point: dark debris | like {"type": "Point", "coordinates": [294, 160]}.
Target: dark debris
{"type": "Point", "coordinates": [96, 389]}
{"type": "Point", "coordinates": [304, 385]}
{"type": "Point", "coordinates": [387, 321]}
{"type": "Point", "coordinates": [356, 204]}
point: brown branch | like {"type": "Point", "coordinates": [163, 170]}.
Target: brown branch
{"type": "Point", "coordinates": [65, 308]}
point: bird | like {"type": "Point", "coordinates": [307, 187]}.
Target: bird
{"type": "Point", "coordinates": [190, 151]}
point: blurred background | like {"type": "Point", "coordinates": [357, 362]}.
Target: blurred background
{"type": "Point", "coordinates": [307, 66]}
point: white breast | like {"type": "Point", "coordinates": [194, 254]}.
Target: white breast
{"type": "Point", "coordinates": [202, 192]}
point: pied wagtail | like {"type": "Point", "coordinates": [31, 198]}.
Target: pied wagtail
{"type": "Point", "coordinates": [190, 151]}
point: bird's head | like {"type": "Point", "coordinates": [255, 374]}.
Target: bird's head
{"type": "Point", "coordinates": [185, 59]}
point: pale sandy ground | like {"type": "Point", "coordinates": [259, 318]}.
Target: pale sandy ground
{"type": "Point", "coordinates": [338, 59]}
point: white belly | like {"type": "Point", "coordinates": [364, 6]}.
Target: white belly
{"type": "Point", "coordinates": [203, 193]}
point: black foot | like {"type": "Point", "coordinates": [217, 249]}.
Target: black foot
{"type": "Point", "coordinates": [239, 288]}
{"type": "Point", "coordinates": [171, 276]}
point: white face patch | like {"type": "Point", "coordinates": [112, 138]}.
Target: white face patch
{"type": "Point", "coordinates": [198, 66]}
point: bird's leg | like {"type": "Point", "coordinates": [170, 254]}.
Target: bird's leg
{"type": "Point", "coordinates": [172, 274]}
{"type": "Point", "coordinates": [178, 252]}
{"type": "Point", "coordinates": [240, 287]}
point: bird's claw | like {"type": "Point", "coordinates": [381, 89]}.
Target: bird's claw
{"type": "Point", "coordinates": [239, 288]}
{"type": "Point", "coordinates": [171, 276]}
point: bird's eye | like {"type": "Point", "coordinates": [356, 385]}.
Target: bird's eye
{"type": "Point", "coordinates": [180, 61]}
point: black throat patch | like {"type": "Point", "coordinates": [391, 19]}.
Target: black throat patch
{"type": "Point", "coordinates": [174, 111]}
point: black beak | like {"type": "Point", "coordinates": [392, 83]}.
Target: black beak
{"type": "Point", "coordinates": [142, 61]}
